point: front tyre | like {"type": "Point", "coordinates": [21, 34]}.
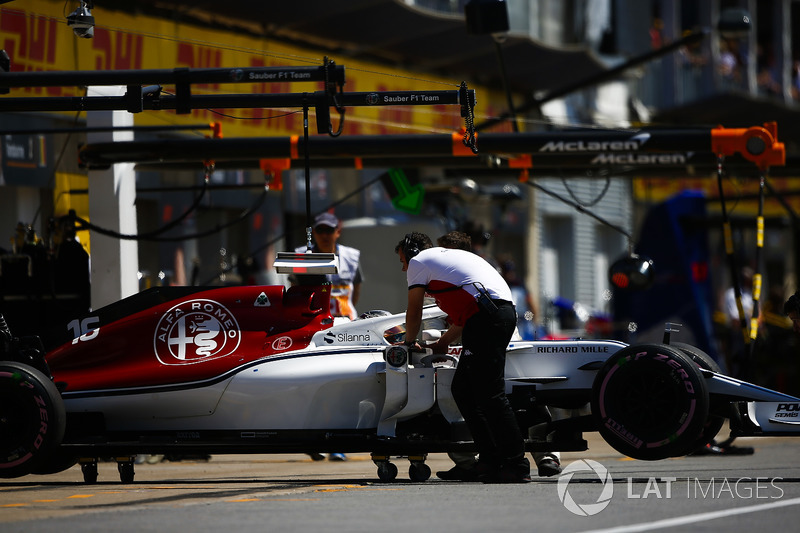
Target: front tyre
{"type": "Point", "coordinates": [32, 419]}
{"type": "Point", "coordinates": [715, 420]}
{"type": "Point", "coordinates": [650, 402]}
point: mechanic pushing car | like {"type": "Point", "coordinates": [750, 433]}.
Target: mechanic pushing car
{"type": "Point", "coordinates": [547, 463]}
{"type": "Point", "coordinates": [478, 302]}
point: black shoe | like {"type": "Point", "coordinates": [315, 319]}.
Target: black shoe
{"type": "Point", "coordinates": [458, 473]}
{"type": "Point", "coordinates": [548, 467]}
{"type": "Point", "coordinates": [505, 475]}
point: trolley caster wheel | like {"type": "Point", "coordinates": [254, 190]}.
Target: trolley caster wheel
{"type": "Point", "coordinates": [89, 471]}
{"type": "Point", "coordinates": [419, 472]}
{"type": "Point", "coordinates": [126, 472]}
{"type": "Point", "coordinates": [387, 471]}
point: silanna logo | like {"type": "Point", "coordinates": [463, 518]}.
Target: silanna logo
{"type": "Point", "coordinates": [344, 337]}
{"type": "Point", "coordinates": [196, 331]}
{"type": "Point", "coordinates": [634, 143]}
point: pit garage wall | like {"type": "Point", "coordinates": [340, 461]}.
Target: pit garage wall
{"type": "Point", "coordinates": [575, 250]}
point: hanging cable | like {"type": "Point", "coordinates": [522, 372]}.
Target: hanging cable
{"type": "Point", "coordinates": [154, 235]}
{"type": "Point", "coordinates": [591, 203]}
{"type": "Point", "coordinates": [195, 204]}
{"type": "Point", "coordinates": [468, 112]}
{"type": "Point", "coordinates": [329, 92]}
{"type": "Point", "coordinates": [729, 252]}
{"type": "Point", "coordinates": [581, 209]}
{"type": "Point", "coordinates": [150, 235]}
{"type": "Point", "coordinates": [281, 236]}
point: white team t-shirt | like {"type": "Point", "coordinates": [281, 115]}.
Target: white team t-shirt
{"type": "Point", "coordinates": [453, 278]}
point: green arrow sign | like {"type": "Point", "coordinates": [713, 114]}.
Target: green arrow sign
{"type": "Point", "coordinates": [409, 198]}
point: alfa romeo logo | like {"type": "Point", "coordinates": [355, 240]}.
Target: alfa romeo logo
{"type": "Point", "coordinates": [586, 509]}
{"type": "Point", "coordinates": [195, 331]}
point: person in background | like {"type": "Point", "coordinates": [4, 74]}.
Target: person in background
{"type": "Point", "coordinates": [792, 309]}
{"type": "Point", "coordinates": [527, 313]}
{"type": "Point", "coordinates": [457, 240]}
{"type": "Point", "coordinates": [478, 303]}
{"type": "Point", "coordinates": [736, 351]}
{"type": "Point", "coordinates": [345, 284]}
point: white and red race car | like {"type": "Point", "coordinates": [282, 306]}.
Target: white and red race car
{"type": "Point", "coordinates": [261, 369]}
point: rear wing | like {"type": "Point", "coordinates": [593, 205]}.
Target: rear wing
{"type": "Point", "coordinates": [306, 263]}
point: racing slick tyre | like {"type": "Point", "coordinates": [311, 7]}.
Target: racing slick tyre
{"type": "Point", "coordinates": [650, 402]}
{"type": "Point", "coordinates": [715, 421]}
{"type": "Point", "coordinates": [32, 419]}
{"type": "Point", "coordinates": [56, 462]}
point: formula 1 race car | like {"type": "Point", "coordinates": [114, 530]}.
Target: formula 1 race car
{"type": "Point", "coordinates": [264, 369]}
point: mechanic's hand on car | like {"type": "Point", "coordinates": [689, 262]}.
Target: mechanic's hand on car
{"type": "Point", "coordinates": [438, 346]}
{"type": "Point", "coordinates": [447, 338]}
{"type": "Point", "coordinates": [413, 346]}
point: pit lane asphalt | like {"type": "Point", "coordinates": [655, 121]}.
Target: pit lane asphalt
{"type": "Point", "coordinates": [244, 493]}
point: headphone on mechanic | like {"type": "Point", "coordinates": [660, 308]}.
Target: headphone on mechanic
{"type": "Point", "coordinates": [410, 248]}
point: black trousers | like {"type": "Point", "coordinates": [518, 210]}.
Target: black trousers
{"type": "Point", "coordinates": [479, 389]}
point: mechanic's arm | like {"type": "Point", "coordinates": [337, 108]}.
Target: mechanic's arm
{"type": "Point", "coordinates": [416, 297]}
{"type": "Point", "coordinates": [448, 337]}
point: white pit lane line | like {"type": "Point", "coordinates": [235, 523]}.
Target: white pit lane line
{"type": "Point", "coordinates": [691, 519]}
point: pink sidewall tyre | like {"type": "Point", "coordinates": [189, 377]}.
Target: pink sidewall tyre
{"type": "Point", "coordinates": [650, 402]}
{"type": "Point", "coordinates": [32, 419]}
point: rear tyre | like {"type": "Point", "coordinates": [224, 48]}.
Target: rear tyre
{"type": "Point", "coordinates": [650, 402]}
{"type": "Point", "coordinates": [56, 462]}
{"type": "Point", "coordinates": [32, 419]}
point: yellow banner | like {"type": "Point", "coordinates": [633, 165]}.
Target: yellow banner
{"type": "Point", "coordinates": [36, 36]}
{"type": "Point", "coordinates": [73, 196]}
{"type": "Point", "coordinates": [741, 195]}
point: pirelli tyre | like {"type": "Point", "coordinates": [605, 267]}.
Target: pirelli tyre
{"type": "Point", "coordinates": [57, 461]}
{"type": "Point", "coordinates": [650, 402]}
{"type": "Point", "coordinates": [32, 419]}
{"type": "Point", "coordinates": [716, 418]}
